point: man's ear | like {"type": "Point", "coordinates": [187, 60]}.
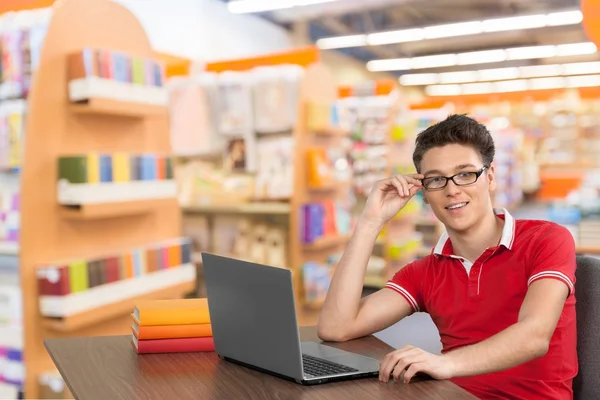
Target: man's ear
{"type": "Point", "coordinates": [491, 175]}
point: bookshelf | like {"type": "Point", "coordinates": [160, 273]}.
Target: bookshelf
{"type": "Point", "coordinates": [313, 128]}
{"type": "Point", "coordinates": [60, 226]}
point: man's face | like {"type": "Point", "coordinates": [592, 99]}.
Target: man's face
{"type": "Point", "coordinates": [457, 207]}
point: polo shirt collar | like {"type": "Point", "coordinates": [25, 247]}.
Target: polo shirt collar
{"type": "Point", "coordinates": [444, 246]}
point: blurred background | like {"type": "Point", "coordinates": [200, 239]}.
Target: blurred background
{"type": "Point", "coordinates": [136, 134]}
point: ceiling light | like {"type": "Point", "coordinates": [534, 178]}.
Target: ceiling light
{"type": "Point", "coordinates": [575, 49]}
{"type": "Point", "coordinates": [435, 61]}
{"type": "Point", "coordinates": [342, 41]}
{"type": "Point", "coordinates": [583, 81]}
{"type": "Point", "coordinates": [564, 18]}
{"type": "Point", "coordinates": [396, 64]}
{"type": "Point", "coordinates": [449, 30]}
{"type": "Point", "coordinates": [502, 74]}
{"type": "Point", "coordinates": [514, 23]}
{"type": "Point", "coordinates": [581, 68]}
{"type": "Point", "coordinates": [531, 52]}
{"type": "Point", "coordinates": [255, 6]}
{"type": "Point", "coordinates": [476, 88]}
{"type": "Point", "coordinates": [457, 77]}
{"type": "Point", "coordinates": [482, 57]}
{"type": "Point", "coordinates": [570, 17]}
{"type": "Point", "coordinates": [418, 79]}
{"type": "Point", "coordinates": [443, 90]}
{"type": "Point", "coordinates": [514, 85]}
{"type": "Point", "coordinates": [533, 71]}
{"type": "Point", "coordinates": [405, 35]}
{"type": "Point", "coordinates": [498, 74]}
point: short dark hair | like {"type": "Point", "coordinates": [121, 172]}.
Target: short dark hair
{"type": "Point", "coordinates": [455, 129]}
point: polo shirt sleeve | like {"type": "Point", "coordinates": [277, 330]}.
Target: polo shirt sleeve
{"type": "Point", "coordinates": [408, 282]}
{"type": "Point", "coordinates": [554, 257]}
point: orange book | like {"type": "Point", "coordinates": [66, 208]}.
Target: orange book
{"type": "Point", "coordinates": [128, 265]}
{"type": "Point", "coordinates": [170, 331]}
{"type": "Point", "coordinates": [171, 312]}
{"type": "Point", "coordinates": [174, 252]}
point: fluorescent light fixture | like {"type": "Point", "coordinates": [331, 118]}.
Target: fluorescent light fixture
{"type": "Point", "coordinates": [390, 65]}
{"type": "Point", "coordinates": [514, 23]}
{"type": "Point", "coordinates": [498, 74]}
{"type": "Point", "coordinates": [575, 49]}
{"type": "Point", "coordinates": [531, 52]}
{"type": "Point", "coordinates": [476, 88]}
{"type": "Point", "coordinates": [443, 90]}
{"type": "Point", "coordinates": [482, 57]}
{"type": "Point", "coordinates": [449, 30]}
{"type": "Point", "coordinates": [508, 74]}
{"type": "Point", "coordinates": [581, 68]}
{"type": "Point", "coordinates": [538, 71]}
{"type": "Point", "coordinates": [569, 17]}
{"type": "Point", "coordinates": [583, 81]}
{"type": "Point", "coordinates": [405, 35]}
{"type": "Point", "coordinates": [547, 83]}
{"type": "Point", "coordinates": [456, 77]}
{"type": "Point", "coordinates": [255, 6]}
{"type": "Point", "coordinates": [342, 41]}
{"type": "Point", "coordinates": [514, 85]}
{"type": "Point", "coordinates": [418, 79]}
{"type": "Point", "coordinates": [435, 61]}
{"type": "Point", "coordinates": [564, 18]}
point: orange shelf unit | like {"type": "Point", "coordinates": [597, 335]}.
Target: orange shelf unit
{"type": "Point", "coordinates": [98, 315]}
{"type": "Point", "coordinates": [96, 106]}
{"type": "Point", "coordinates": [55, 127]}
{"type": "Point", "coordinates": [304, 57]}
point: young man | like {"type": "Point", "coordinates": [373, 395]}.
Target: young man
{"type": "Point", "coordinates": [500, 290]}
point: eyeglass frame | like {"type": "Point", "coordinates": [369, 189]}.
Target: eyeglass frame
{"type": "Point", "coordinates": [448, 178]}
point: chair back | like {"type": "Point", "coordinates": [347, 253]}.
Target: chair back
{"type": "Point", "coordinates": [586, 385]}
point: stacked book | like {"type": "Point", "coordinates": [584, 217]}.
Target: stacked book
{"type": "Point", "coordinates": [172, 326]}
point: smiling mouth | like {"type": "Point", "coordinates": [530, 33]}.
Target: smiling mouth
{"type": "Point", "coordinates": [456, 206]}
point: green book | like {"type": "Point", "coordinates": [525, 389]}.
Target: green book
{"type": "Point", "coordinates": [73, 169]}
{"type": "Point", "coordinates": [137, 71]}
{"type": "Point", "coordinates": [169, 168]}
{"type": "Point", "coordinates": [78, 276]}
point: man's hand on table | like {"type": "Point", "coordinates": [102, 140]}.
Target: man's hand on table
{"type": "Point", "coordinates": [414, 360]}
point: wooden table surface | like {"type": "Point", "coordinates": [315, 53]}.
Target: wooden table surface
{"type": "Point", "coordinates": [108, 367]}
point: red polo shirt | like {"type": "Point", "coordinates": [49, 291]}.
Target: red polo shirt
{"type": "Point", "coordinates": [471, 302]}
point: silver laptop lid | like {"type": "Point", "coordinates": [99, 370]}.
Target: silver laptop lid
{"type": "Point", "coordinates": [253, 314]}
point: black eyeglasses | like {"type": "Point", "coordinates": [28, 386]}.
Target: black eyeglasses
{"type": "Point", "coordinates": [460, 179]}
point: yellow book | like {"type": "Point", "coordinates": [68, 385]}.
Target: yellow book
{"type": "Point", "coordinates": [121, 167]}
{"type": "Point", "coordinates": [93, 168]}
{"type": "Point", "coordinates": [171, 312]}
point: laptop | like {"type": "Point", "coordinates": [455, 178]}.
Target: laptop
{"type": "Point", "coordinates": [253, 316]}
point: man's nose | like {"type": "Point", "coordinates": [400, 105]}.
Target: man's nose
{"type": "Point", "coordinates": [452, 189]}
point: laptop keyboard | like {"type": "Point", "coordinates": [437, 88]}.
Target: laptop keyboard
{"type": "Point", "coordinates": [318, 367]}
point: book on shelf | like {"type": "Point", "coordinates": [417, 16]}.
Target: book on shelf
{"type": "Point", "coordinates": [66, 277]}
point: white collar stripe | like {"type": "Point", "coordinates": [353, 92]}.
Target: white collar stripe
{"type": "Point", "coordinates": [508, 233]}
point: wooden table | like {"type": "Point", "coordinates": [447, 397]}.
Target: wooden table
{"type": "Point", "coordinates": [108, 368]}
